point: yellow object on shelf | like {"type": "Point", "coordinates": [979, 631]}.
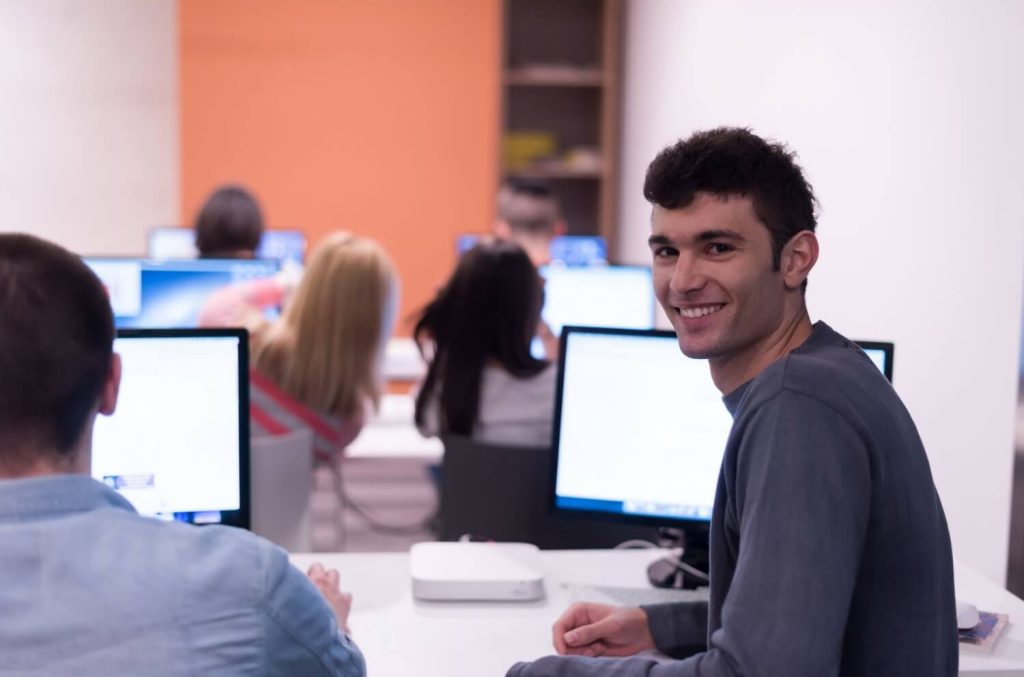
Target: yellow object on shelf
{"type": "Point", "coordinates": [520, 149]}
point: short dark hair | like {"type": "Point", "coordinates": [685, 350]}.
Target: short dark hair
{"type": "Point", "coordinates": [733, 161]}
{"type": "Point", "coordinates": [229, 222]}
{"type": "Point", "coordinates": [488, 310]}
{"type": "Point", "coordinates": [56, 343]}
{"type": "Point", "coordinates": [529, 206]}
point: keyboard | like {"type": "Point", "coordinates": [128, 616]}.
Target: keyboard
{"type": "Point", "coordinates": [623, 596]}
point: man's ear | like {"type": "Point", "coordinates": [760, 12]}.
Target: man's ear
{"type": "Point", "coordinates": [111, 387]}
{"type": "Point", "coordinates": [561, 228]}
{"type": "Point", "coordinates": [798, 257]}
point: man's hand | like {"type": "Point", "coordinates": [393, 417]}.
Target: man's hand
{"type": "Point", "coordinates": [326, 581]}
{"type": "Point", "coordinates": [587, 629]}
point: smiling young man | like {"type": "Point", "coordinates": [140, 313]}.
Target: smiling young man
{"type": "Point", "coordinates": [830, 553]}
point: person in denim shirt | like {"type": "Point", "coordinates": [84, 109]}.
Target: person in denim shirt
{"type": "Point", "coordinates": [89, 587]}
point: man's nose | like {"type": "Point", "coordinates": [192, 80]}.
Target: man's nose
{"type": "Point", "coordinates": [687, 276]}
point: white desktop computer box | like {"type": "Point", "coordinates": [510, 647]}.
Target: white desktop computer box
{"type": "Point", "coordinates": [476, 572]}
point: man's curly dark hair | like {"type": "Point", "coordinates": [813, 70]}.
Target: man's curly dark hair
{"type": "Point", "coordinates": [733, 161]}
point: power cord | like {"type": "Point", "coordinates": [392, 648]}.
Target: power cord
{"type": "Point", "coordinates": [374, 522]}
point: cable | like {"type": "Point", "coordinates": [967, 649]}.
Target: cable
{"type": "Point", "coordinates": [375, 523]}
{"type": "Point", "coordinates": [675, 556]}
{"type": "Point", "coordinates": [688, 568]}
{"type": "Point", "coordinates": [635, 544]}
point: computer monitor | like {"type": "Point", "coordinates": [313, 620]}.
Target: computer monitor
{"type": "Point", "coordinates": [616, 452]}
{"type": "Point", "coordinates": [881, 354]}
{"type": "Point", "coordinates": [177, 446]}
{"type": "Point", "coordinates": [601, 296]}
{"type": "Point", "coordinates": [146, 293]}
{"type": "Point", "coordinates": [566, 250]}
{"type": "Point", "coordinates": [173, 242]}
{"type": "Point", "coordinates": [604, 296]}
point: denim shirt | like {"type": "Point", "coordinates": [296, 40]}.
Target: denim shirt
{"type": "Point", "coordinates": [89, 587]}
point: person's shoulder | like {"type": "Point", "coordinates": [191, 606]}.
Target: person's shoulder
{"type": "Point", "coordinates": [216, 563]}
{"type": "Point", "coordinates": [828, 368]}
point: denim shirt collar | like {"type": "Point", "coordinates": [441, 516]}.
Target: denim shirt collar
{"type": "Point", "coordinates": [31, 497]}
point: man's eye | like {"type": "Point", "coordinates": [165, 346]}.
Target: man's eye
{"type": "Point", "coordinates": [664, 252]}
{"type": "Point", "coordinates": [719, 248]}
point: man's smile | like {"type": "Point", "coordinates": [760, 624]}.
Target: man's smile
{"type": "Point", "coordinates": [693, 312]}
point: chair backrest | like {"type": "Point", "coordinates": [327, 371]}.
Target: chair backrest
{"type": "Point", "coordinates": [282, 479]}
{"type": "Point", "coordinates": [502, 492]}
{"type": "Point", "coordinates": [492, 491]}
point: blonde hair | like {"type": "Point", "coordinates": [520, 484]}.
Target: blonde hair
{"type": "Point", "coordinates": [327, 349]}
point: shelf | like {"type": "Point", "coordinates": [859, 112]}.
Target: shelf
{"type": "Point", "coordinates": [561, 81]}
{"type": "Point", "coordinates": [555, 172]}
{"type": "Point", "coordinates": [554, 77]}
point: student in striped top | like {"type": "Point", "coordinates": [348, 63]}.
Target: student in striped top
{"type": "Point", "coordinates": [319, 365]}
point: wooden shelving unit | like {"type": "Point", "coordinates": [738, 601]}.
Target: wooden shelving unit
{"type": "Point", "coordinates": [561, 81]}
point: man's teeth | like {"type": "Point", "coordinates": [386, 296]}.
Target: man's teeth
{"type": "Point", "coordinates": [700, 311]}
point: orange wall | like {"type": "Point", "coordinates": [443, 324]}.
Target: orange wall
{"type": "Point", "coordinates": [375, 116]}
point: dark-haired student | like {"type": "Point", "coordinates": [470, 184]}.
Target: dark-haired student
{"type": "Point", "coordinates": [482, 382]}
{"type": "Point", "coordinates": [229, 225]}
{"type": "Point", "coordinates": [87, 586]}
{"type": "Point", "coordinates": [830, 553]}
{"type": "Point", "coordinates": [528, 213]}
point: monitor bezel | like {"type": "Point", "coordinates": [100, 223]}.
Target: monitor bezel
{"type": "Point", "coordinates": [888, 348]}
{"type": "Point", "coordinates": [691, 526]}
{"type": "Point", "coordinates": [242, 517]}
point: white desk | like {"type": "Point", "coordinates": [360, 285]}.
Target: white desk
{"type": "Point", "coordinates": [392, 434]}
{"type": "Point", "coordinates": [401, 636]}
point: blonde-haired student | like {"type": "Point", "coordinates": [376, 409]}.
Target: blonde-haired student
{"type": "Point", "coordinates": [320, 365]}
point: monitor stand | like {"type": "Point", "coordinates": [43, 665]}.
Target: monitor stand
{"type": "Point", "coordinates": [684, 569]}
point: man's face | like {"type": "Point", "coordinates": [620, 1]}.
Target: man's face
{"type": "Point", "coordinates": [714, 277]}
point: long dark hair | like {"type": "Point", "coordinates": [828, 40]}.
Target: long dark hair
{"type": "Point", "coordinates": [487, 311]}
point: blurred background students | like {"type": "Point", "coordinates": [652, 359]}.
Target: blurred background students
{"type": "Point", "coordinates": [482, 381]}
{"type": "Point", "coordinates": [528, 214]}
{"type": "Point", "coordinates": [229, 225]}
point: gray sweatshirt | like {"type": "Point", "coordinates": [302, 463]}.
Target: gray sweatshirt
{"type": "Point", "coordinates": [830, 554]}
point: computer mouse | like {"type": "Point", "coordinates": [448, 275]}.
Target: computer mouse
{"type": "Point", "coordinates": [966, 615]}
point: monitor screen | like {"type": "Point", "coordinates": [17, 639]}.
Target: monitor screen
{"type": "Point", "coordinates": [566, 250]}
{"type": "Point", "coordinates": [172, 242]}
{"type": "Point", "coordinates": [604, 296]}
{"type": "Point", "coordinates": [145, 293]}
{"type": "Point", "coordinates": [177, 446]}
{"type": "Point", "coordinates": [881, 354]}
{"type": "Point", "coordinates": [639, 428]}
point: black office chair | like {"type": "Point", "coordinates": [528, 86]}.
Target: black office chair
{"type": "Point", "coordinates": [492, 491]}
{"type": "Point", "coordinates": [501, 493]}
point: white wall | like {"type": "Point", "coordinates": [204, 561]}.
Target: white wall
{"type": "Point", "coordinates": [89, 121]}
{"type": "Point", "coordinates": [908, 117]}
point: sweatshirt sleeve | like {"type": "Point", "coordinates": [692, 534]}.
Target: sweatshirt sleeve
{"type": "Point", "coordinates": [242, 304]}
{"type": "Point", "coordinates": [679, 630]}
{"type": "Point", "coordinates": [801, 496]}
